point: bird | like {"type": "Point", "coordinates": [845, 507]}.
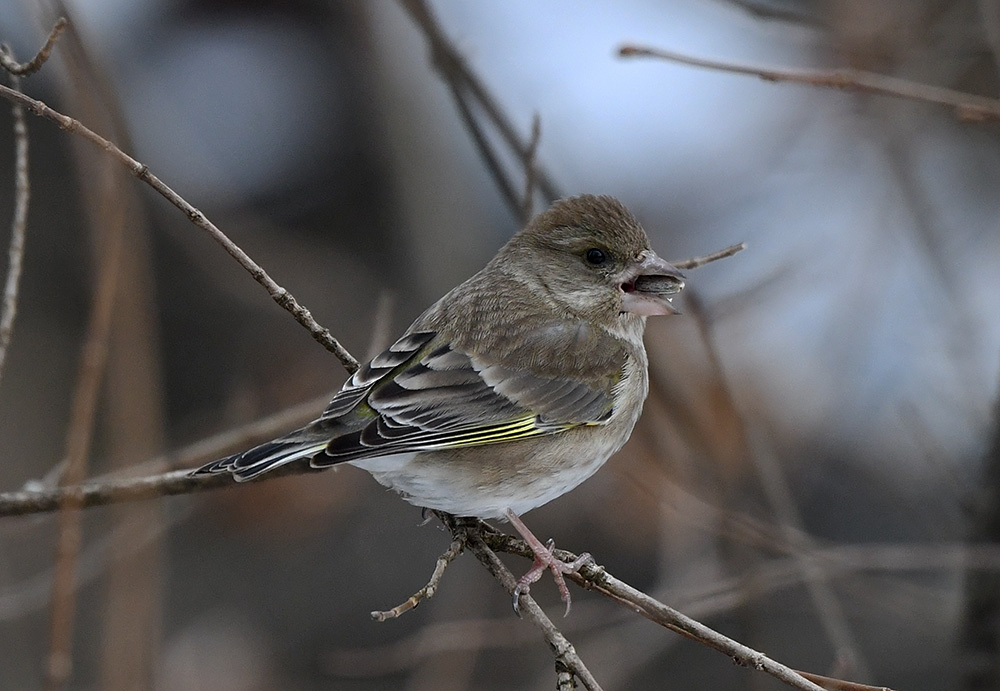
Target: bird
{"type": "Point", "coordinates": [510, 390]}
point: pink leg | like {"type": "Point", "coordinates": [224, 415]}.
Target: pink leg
{"type": "Point", "coordinates": [544, 560]}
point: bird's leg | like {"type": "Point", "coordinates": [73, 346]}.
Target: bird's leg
{"type": "Point", "coordinates": [544, 559]}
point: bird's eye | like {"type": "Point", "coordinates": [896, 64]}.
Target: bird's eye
{"type": "Point", "coordinates": [596, 256]}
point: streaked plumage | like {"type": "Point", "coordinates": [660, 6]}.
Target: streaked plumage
{"type": "Point", "coordinates": [511, 389]}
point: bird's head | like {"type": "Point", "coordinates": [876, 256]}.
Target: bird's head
{"type": "Point", "coordinates": [590, 255]}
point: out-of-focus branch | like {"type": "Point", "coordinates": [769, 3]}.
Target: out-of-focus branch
{"type": "Point", "coordinates": [781, 502]}
{"type": "Point", "coordinates": [90, 494]}
{"type": "Point", "coordinates": [18, 225]}
{"type": "Point", "coordinates": [968, 107]}
{"type": "Point", "coordinates": [26, 69]}
{"type": "Point", "coordinates": [470, 93]}
{"type": "Point", "coordinates": [79, 436]}
{"type": "Point", "coordinates": [141, 171]}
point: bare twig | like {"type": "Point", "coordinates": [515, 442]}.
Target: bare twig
{"type": "Point", "coordinates": [674, 620]}
{"type": "Point", "coordinates": [968, 107]}
{"type": "Point", "coordinates": [26, 69]}
{"type": "Point", "coordinates": [490, 158]}
{"type": "Point", "coordinates": [18, 225]}
{"type": "Point", "coordinates": [695, 262]}
{"type": "Point", "coordinates": [91, 494]}
{"type": "Point", "coordinates": [141, 171]}
{"type": "Point", "coordinates": [427, 592]}
{"type": "Point", "coordinates": [465, 85]}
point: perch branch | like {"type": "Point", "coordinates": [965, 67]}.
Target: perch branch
{"type": "Point", "coordinates": [474, 532]}
{"type": "Point", "coordinates": [593, 576]}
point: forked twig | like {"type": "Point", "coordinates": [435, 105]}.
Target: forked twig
{"type": "Point", "coordinates": [427, 592]}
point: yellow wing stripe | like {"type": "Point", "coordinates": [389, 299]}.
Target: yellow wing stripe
{"type": "Point", "coordinates": [520, 428]}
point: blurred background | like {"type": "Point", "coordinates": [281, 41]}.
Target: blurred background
{"type": "Point", "coordinates": [816, 472]}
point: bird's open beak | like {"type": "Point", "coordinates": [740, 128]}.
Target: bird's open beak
{"type": "Point", "coordinates": [649, 284]}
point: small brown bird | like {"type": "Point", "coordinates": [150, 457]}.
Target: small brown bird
{"type": "Point", "coordinates": [510, 390]}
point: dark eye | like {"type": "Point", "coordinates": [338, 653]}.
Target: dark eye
{"type": "Point", "coordinates": [596, 256]}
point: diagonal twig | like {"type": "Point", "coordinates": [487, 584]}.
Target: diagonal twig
{"type": "Point", "coordinates": [696, 262]}
{"type": "Point", "coordinates": [468, 89]}
{"type": "Point", "coordinates": [781, 502]}
{"type": "Point", "coordinates": [141, 171]}
{"type": "Point", "coordinates": [593, 576]}
{"type": "Point", "coordinates": [427, 592]}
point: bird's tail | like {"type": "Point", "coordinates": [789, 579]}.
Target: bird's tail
{"type": "Point", "coordinates": [273, 454]}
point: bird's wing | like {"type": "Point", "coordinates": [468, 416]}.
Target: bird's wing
{"type": "Point", "coordinates": [423, 394]}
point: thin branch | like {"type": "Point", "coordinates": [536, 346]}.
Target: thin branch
{"type": "Point", "coordinates": [18, 225]}
{"type": "Point", "coordinates": [968, 107]}
{"type": "Point", "coordinates": [696, 262]}
{"type": "Point", "coordinates": [91, 494]}
{"type": "Point", "coordinates": [491, 158]}
{"type": "Point", "coordinates": [666, 616]}
{"type": "Point", "coordinates": [473, 534]}
{"type": "Point", "coordinates": [26, 69]}
{"type": "Point", "coordinates": [141, 171]}
{"type": "Point", "coordinates": [427, 592]}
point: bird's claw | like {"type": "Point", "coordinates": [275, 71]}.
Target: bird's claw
{"type": "Point", "coordinates": [546, 560]}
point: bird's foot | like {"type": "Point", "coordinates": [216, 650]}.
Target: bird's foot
{"type": "Point", "coordinates": [545, 560]}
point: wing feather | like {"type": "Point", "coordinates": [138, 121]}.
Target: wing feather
{"type": "Point", "coordinates": [419, 397]}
